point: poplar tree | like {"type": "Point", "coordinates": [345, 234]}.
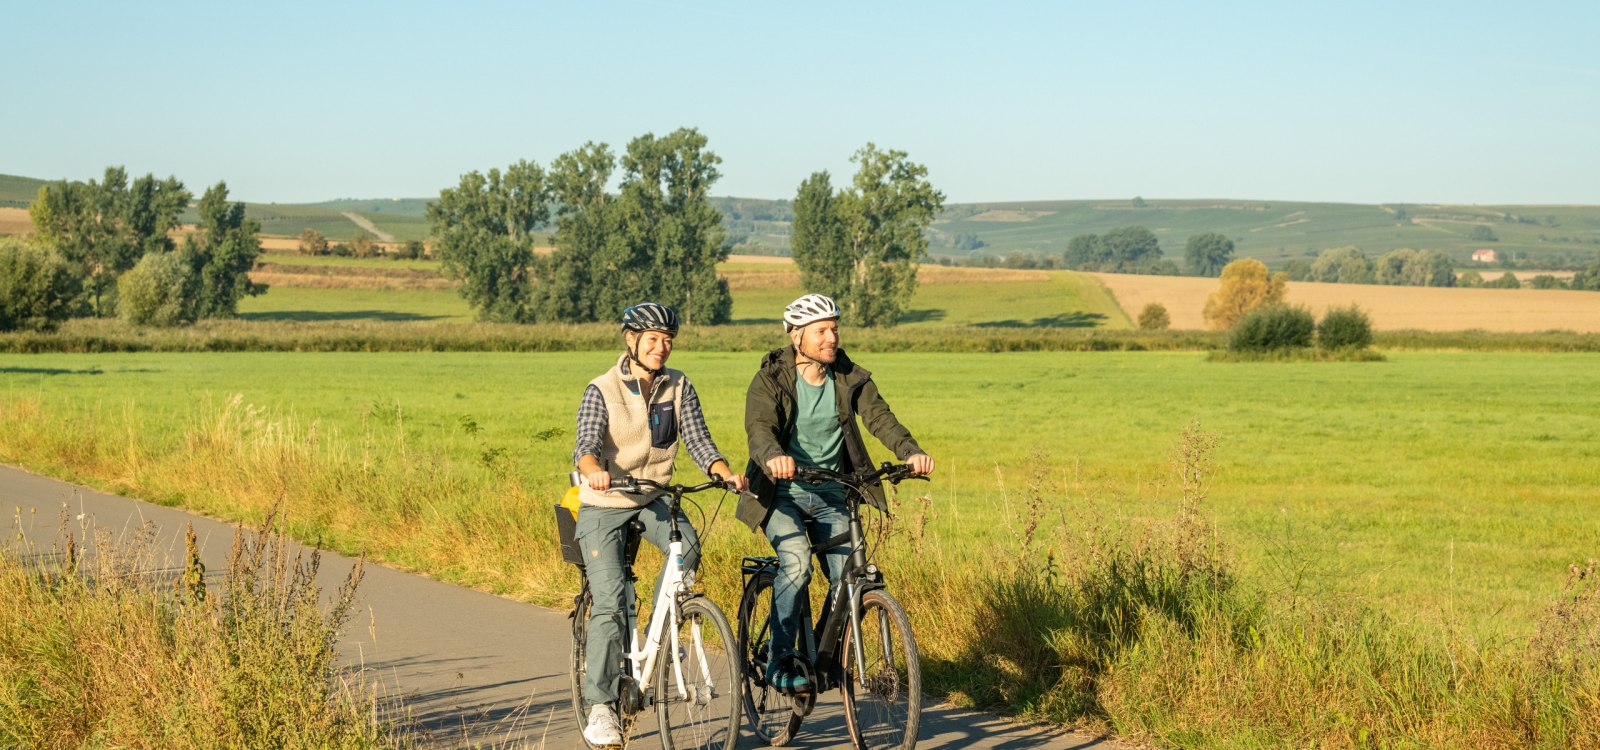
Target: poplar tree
{"type": "Point", "coordinates": [220, 255]}
{"type": "Point", "coordinates": [482, 230]}
{"type": "Point", "coordinates": [880, 223]}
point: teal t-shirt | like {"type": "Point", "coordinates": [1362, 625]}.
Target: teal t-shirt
{"type": "Point", "coordinates": [818, 440]}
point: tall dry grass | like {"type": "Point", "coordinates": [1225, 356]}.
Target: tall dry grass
{"type": "Point", "coordinates": [1151, 633]}
{"type": "Point", "coordinates": [1147, 629]}
{"type": "Point", "coordinates": [104, 650]}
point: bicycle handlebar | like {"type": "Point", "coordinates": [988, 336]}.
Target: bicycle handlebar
{"type": "Point", "coordinates": [894, 473]}
{"type": "Point", "coordinates": [638, 484]}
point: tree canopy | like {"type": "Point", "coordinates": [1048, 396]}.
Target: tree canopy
{"type": "Point", "coordinates": [1246, 285]}
{"type": "Point", "coordinates": [658, 238]}
{"type": "Point", "coordinates": [1207, 253]}
{"type": "Point", "coordinates": [101, 229]}
{"type": "Point", "coordinates": [863, 245]}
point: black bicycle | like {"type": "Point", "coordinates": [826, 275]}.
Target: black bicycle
{"type": "Point", "coordinates": [684, 664]}
{"type": "Point", "coordinates": [861, 642]}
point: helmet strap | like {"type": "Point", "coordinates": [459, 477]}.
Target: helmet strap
{"type": "Point", "coordinates": [633, 355]}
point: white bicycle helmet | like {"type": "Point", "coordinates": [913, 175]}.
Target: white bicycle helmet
{"type": "Point", "coordinates": [807, 310]}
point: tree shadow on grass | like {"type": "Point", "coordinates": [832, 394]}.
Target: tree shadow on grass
{"type": "Point", "coordinates": [324, 315]}
{"type": "Point", "coordinates": [922, 316]}
{"type": "Point", "coordinates": [1077, 319]}
{"type": "Point", "coordinates": [49, 371]}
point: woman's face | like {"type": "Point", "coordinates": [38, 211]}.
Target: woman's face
{"type": "Point", "coordinates": [652, 348]}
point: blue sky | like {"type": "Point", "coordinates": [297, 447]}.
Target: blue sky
{"type": "Point", "coordinates": [288, 102]}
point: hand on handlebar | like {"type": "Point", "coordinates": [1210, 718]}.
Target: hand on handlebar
{"type": "Point", "coordinates": [736, 482]}
{"type": "Point", "coordinates": [599, 481]}
{"type": "Point", "coordinates": [781, 467]}
{"type": "Point", "coordinates": [921, 464]}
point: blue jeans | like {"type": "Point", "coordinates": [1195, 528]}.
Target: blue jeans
{"type": "Point", "coordinates": [786, 529]}
{"type": "Point", "coordinates": [601, 535]}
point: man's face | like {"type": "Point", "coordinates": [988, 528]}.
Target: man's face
{"type": "Point", "coordinates": [651, 348]}
{"type": "Point", "coordinates": [818, 341]}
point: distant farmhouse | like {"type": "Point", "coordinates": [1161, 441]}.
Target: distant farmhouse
{"type": "Point", "coordinates": [1485, 255]}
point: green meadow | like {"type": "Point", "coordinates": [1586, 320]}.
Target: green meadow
{"type": "Point", "coordinates": [1063, 300]}
{"type": "Point", "coordinates": [1404, 483]}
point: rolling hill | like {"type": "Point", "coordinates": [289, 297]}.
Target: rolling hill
{"type": "Point", "coordinates": [1273, 231]}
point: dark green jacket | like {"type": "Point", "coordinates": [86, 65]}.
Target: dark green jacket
{"type": "Point", "coordinates": [769, 414]}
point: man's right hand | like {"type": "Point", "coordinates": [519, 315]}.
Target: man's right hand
{"type": "Point", "coordinates": [780, 467]}
{"type": "Point", "coordinates": [599, 481]}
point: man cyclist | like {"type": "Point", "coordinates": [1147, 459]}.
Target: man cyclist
{"type": "Point", "coordinates": [629, 424]}
{"type": "Point", "coordinates": [801, 410]}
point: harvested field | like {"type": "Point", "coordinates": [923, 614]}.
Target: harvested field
{"type": "Point", "coordinates": [349, 277]}
{"type": "Point", "coordinates": [764, 260]}
{"type": "Point", "coordinates": [1003, 215]}
{"type": "Point", "coordinates": [788, 277]}
{"type": "Point", "coordinates": [324, 281]}
{"type": "Point", "coordinates": [15, 221]}
{"type": "Point", "coordinates": [1391, 307]}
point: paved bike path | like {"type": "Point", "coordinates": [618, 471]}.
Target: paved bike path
{"type": "Point", "coordinates": [468, 668]}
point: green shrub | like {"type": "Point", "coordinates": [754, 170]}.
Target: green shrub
{"type": "Point", "coordinates": [1507, 281]}
{"type": "Point", "coordinates": [1272, 327]}
{"type": "Point", "coordinates": [36, 288]}
{"type": "Point", "coordinates": [156, 292]}
{"type": "Point", "coordinates": [1345, 328]}
{"type": "Point", "coordinates": [1154, 317]}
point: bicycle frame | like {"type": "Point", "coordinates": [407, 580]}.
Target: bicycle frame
{"type": "Point", "coordinates": [664, 610]}
{"type": "Point", "coordinates": [823, 637]}
{"type": "Point", "coordinates": [643, 658]}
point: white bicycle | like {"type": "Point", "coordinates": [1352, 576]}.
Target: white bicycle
{"type": "Point", "coordinates": [686, 667]}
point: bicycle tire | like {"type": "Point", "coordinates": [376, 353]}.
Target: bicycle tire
{"type": "Point", "coordinates": [771, 713]}
{"type": "Point", "coordinates": [577, 666]}
{"type": "Point", "coordinates": [883, 702]}
{"type": "Point", "coordinates": [708, 717]}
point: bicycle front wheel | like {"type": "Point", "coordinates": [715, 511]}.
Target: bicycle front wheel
{"type": "Point", "coordinates": [703, 713]}
{"type": "Point", "coordinates": [883, 692]}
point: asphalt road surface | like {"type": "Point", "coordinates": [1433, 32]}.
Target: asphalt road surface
{"type": "Point", "coordinates": [465, 668]}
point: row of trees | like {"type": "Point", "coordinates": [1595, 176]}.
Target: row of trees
{"type": "Point", "coordinates": [1135, 249]}
{"type": "Point", "coordinates": [1349, 265]}
{"type": "Point", "coordinates": [362, 245]}
{"type": "Point", "coordinates": [104, 248]}
{"type": "Point", "coordinates": [659, 237]}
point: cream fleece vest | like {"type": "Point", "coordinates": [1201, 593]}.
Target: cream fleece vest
{"type": "Point", "coordinates": [626, 448]}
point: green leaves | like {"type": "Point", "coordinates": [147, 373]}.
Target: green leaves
{"type": "Point", "coordinates": [862, 246]}
{"type": "Point", "coordinates": [658, 239]}
{"type": "Point", "coordinates": [103, 228]}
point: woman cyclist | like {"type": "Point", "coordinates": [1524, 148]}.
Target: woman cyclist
{"type": "Point", "coordinates": [630, 423]}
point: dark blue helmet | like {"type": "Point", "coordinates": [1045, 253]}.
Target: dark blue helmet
{"type": "Point", "coordinates": [650, 316]}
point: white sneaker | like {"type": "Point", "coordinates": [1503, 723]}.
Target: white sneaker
{"type": "Point", "coordinates": [603, 730]}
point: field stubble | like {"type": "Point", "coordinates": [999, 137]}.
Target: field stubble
{"type": "Point", "coordinates": [1390, 307]}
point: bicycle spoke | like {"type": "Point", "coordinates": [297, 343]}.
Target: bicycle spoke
{"type": "Point", "coordinates": [883, 698]}
{"type": "Point", "coordinates": [705, 712]}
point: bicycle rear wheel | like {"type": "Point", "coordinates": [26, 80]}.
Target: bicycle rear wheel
{"type": "Point", "coordinates": [577, 666]}
{"type": "Point", "coordinates": [771, 713]}
{"type": "Point", "coordinates": [705, 714]}
{"type": "Point", "coordinates": [882, 699]}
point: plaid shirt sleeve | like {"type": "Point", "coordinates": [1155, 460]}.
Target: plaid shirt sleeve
{"type": "Point", "coordinates": [591, 424]}
{"type": "Point", "coordinates": [692, 428]}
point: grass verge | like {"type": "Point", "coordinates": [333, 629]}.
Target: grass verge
{"type": "Point", "coordinates": [102, 651]}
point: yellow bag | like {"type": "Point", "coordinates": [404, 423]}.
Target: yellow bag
{"type": "Point", "coordinates": [570, 501]}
